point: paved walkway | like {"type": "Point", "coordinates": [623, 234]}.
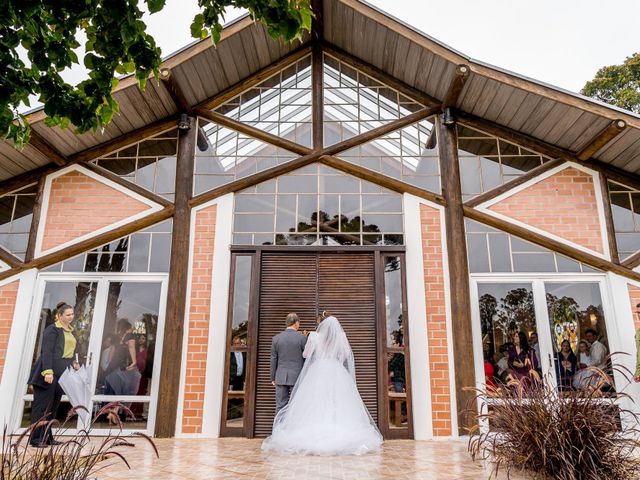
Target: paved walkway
{"type": "Point", "coordinates": [232, 458]}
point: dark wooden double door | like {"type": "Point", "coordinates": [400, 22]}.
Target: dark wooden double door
{"type": "Point", "coordinates": [351, 286]}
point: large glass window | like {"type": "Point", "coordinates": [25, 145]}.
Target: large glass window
{"type": "Point", "coordinates": [150, 163]}
{"type": "Point", "coordinates": [146, 251]}
{"type": "Point", "coordinates": [409, 155]}
{"type": "Point", "coordinates": [318, 205]}
{"type": "Point", "coordinates": [568, 335]}
{"type": "Point", "coordinates": [16, 212]}
{"type": "Point", "coordinates": [625, 206]}
{"type": "Point", "coordinates": [493, 251]}
{"type": "Point", "coordinates": [487, 162]}
{"type": "Point", "coordinates": [281, 105]}
{"type": "Point", "coordinates": [224, 155]}
{"type": "Point", "coordinates": [355, 103]}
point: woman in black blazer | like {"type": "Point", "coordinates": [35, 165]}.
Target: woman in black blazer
{"type": "Point", "coordinates": [56, 355]}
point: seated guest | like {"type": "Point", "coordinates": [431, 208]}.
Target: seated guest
{"type": "Point", "coordinates": [503, 364]}
{"type": "Point", "coordinates": [566, 364]}
{"type": "Point", "coordinates": [583, 377]}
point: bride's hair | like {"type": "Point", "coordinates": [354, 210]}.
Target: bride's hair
{"type": "Point", "coordinates": [323, 315]}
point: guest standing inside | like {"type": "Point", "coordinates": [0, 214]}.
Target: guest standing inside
{"type": "Point", "coordinates": [522, 359]}
{"type": "Point", "coordinates": [124, 377]}
{"type": "Point", "coordinates": [566, 365]}
{"type": "Point", "coordinates": [56, 355]}
{"type": "Point", "coordinates": [583, 377]}
{"type": "Point", "coordinates": [141, 363]}
{"type": "Point", "coordinates": [598, 352]}
{"type": "Point", "coordinates": [237, 367]}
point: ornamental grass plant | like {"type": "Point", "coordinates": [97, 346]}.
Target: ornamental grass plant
{"type": "Point", "coordinates": [76, 457]}
{"type": "Point", "coordinates": [530, 428]}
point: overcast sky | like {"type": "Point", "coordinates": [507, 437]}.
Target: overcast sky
{"type": "Point", "coordinates": [560, 42]}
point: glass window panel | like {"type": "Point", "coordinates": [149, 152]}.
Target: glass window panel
{"type": "Point", "coordinates": [382, 203]}
{"type": "Point", "coordinates": [517, 165]}
{"type": "Point", "coordinates": [393, 302]}
{"type": "Point", "coordinates": [392, 239]}
{"type": "Point", "coordinates": [575, 310]}
{"type": "Point", "coordinates": [491, 177]}
{"type": "Point", "coordinates": [129, 337]}
{"type": "Point", "coordinates": [534, 262]}
{"type": "Point", "coordinates": [204, 183]}
{"type": "Point", "coordinates": [499, 251]}
{"type": "Point", "coordinates": [382, 223]}
{"type": "Point", "coordinates": [287, 239]}
{"type": "Point", "coordinates": [298, 184]}
{"type": "Point", "coordinates": [470, 175]}
{"type": "Point", "coordinates": [628, 242]}
{"type": "Point", "coordinates": [329, 212]}
{"type": "Point", "coordinates": [286, 213]}
{"type": "Point", "coordinates": [255, 203]}
{"type": "Point", "coordinates": [566, 264]}
{"type": "Point", "coordinates": [253, 223]}
{"type": "Point", "coordinates": [307, 213]}
{"type": "Point", "coordinates": [339, 239]}
{"type": "Point", "coordinates": [139, 252]}
{"type": "Point", "coordinates": [339, 184]}
{"type": "Point", "coordinates": [622, 212]}
{"type": "Point", "coordinates": [506, 311]}
{"type": "Point", "coordinates": [160, 252]}
{"type": "Point", "coordinates": [75, 264]}
{"type": "Point", "coordinates": [478, 253]}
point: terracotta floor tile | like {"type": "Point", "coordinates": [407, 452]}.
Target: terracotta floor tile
{"type": "Point", "coordinates": [242, 459]}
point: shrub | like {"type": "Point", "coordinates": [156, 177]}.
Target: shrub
{"type": "Point", "coordinates": [571, 435]}
{"type": "Point", "coordinates": [75, 458]}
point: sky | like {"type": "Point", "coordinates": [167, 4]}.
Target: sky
{"type": "Point", "coordinates": [559, 42]}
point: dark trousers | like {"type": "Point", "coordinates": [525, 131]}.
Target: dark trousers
{"type": "Point", "coordinates": [46, 401]}
{"type": "Point", "coordinates": [283, 392]}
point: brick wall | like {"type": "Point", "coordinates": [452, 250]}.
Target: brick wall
{"type": "Point", "coordinates": [8, 294]}
{"type": "Point", "coordinates": [564, 204]}
{"type": "Point", "coordinates": [634, 297]}
{"type": "Point", "coordinates": [79, 204]}
{"type": "Point", "coordinates": [199, 315]}
{"type": "Point", "coordinates": [434, 282]}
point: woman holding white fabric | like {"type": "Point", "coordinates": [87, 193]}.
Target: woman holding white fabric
{"type": "Point", "coordinates": [325, 415]}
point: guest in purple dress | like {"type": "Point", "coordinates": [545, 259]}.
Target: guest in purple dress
{"type": "Point", "coordinates": [522, 358]}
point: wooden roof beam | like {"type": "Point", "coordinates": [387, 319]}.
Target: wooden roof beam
{"type": "Point", "coordinates": [608, 133]}
{"type": "Point", "coordinates": [317, 24]}
{"type": "Point", "coordinates": [175, 91]}
{"type": "Point", "coordinates": [9, 258]}
{"type": "Point", "coordinates": [457, 84]}
{"type": "Point", "coordinates": [39, 143]}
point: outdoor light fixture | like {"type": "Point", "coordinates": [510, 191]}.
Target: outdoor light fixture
{"type": "Point", "coordinates": [448, 118]}
{"type": "Point", "coordinates": [184, 123]}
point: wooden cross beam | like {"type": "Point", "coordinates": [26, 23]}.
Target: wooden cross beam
{"type": "Point", "coordinates": [457, 84]}
{"type": "Point", "coordinates": [39, 143]}
{"type": "Point", "coordinates": [175, 91]}
{"type": "Point", "coordinates": [608, 133]}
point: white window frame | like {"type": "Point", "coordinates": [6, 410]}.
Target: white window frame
{"type": "Point", "coordinates": [103, 280]}
{"type": "Point", "coordinates": [537, 282]}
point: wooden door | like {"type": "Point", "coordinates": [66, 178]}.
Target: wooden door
{"type": "Point", "coordinates": [307, 283]}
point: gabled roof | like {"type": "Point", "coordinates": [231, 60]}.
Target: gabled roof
{"type": "Point", "coordinates": [202, 71]}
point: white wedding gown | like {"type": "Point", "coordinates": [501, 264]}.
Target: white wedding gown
{"type": "Point", "coordinates": [325, 415]}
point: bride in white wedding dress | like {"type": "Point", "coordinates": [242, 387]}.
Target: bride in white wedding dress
{"type": "Point", "coordinates": [325, 415]}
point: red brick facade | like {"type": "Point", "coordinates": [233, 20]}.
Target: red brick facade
{"type": "Point", "coordinates": [8, 294]}
{"type": "Point", "coordinates": [434, 281]}
{"type": "Point", "coordinates": [564, 205]}
{"type": "Point", "coordinates": [634, 297]}
{"type": "Point", "coordinates": [198, 323]}
{"type": "Point", "coordinates": [79, 205]}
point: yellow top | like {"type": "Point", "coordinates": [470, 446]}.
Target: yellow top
{"type": "Point", "coordinates": [69, 345]}
{"type": "Point", "coordinates": [637, 373]}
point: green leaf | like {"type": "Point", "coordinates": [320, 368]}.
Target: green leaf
{"type": "Point", "coordinates": [155, 6]}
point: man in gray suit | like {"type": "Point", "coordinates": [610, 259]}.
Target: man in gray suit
{"type": "Point", "coordinates": [286, 360]}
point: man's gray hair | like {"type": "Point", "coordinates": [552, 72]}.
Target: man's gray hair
{"type": "Point", "coordinates": [292, 318]}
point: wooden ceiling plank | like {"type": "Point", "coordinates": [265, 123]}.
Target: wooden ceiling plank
{"type": "Point", "coordinates": [46, 149]}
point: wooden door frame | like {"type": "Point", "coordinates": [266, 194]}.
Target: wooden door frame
{"type": "Point", "coordinates": [378, 252]}
{"type": "Point", "coordinates": [381, 322]}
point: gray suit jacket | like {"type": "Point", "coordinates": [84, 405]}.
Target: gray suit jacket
{"type": "Point", "coordinates": [286, 357]}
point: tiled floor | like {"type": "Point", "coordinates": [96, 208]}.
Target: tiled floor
{"type": "Point", "coordinates": [231, 458]}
